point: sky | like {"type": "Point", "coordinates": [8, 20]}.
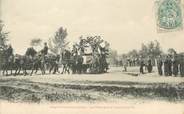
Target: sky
{"type": "Point", "coordinates": [125, 24]}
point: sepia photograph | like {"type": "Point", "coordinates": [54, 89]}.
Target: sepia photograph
{"type": "Point", "coordinates": [92, 56]}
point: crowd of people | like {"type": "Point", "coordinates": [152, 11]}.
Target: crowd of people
{"type": "Point", "coordinates": [171, 65]}
{"type": "Point", "coordinates": [167, 65]}
{"type": "Point", "coordinates": [87, 56]}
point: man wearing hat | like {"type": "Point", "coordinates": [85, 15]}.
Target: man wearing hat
{"type": "Point", "coordinates": [159, 65]}
{"type": "Point", "coordinates": [181, 63]}
{"type": "Point", "coordinates": [9, 51]}
{"type": "Point", "coordinates": [44, 51]}
{"type": "Point", "coordinates": [175, 65]}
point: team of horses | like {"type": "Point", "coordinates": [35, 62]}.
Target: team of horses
{"type": "Point", "coordinates": [70, 62]}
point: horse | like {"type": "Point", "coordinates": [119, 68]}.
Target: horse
{"type": "Point", "coordinates": [6, 62]}
{"type": "Point", "coordinates": [22, 62]}
{"type": "Point", "coordinates": [25, 62]}
{"type": "Point", "coordinates": [52, 62]}
{"type": "Point", "coordinates": [43, 63]}
{"type": "Point", "coordinates": [38, 63]}
{"type": "Point", "coordinates": [78, 64]}
{"type": "Point", "coordinates": [66, 61]}
{"type": "Point", "coordinates": [33, 60]}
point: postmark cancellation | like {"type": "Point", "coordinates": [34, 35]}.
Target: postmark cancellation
{"type": "Point", "coordinates": [169, 15]}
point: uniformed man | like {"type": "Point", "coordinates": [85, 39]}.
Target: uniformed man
{"type": "Point", "coordinates": [44, 51]}
{"type": "Point", "coordinates": [181, 64]}
{"type": "Point", "coordinates": [175, 65]}
{"type": "Point", "coordinates": [125, 64]}
{"type": "Point", "coordinates": [166, 68]}
{"type": "Point", "coordinates": [150, 67]}
{"type": "Point", "coordinates": [159, 65]}
{"type": "Point", "coordinates": [142, 67]}
{"type": "Point", "coordinates": [9, 51]}
{"type": "Point", "coordinates": [169, 66]}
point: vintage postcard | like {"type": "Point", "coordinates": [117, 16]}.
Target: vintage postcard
{"type": "Point", "coordinates": [91, 57]}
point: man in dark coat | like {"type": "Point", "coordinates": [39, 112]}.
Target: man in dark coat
{"type": "Point", "coordinates": [44, 51]}
{"type": "Point", "coordinates": [166, 67]}
{"type": "Point", "coordinates": [9, 51]}
{"type": "Point", "coordinates": [169, 66]}
{"type": "Point", "coordinates": [9, 58]}
{"type": "Point", "coordinates": [159, 65]}
{"type": "Point", "coordinates": [175, 65]}
{"type": "Point", "coordinates": [181, 64]}
{"type": "Point", "coordinates": [142, 67]}
{"type": "Point", "coordinates": [150, 67]}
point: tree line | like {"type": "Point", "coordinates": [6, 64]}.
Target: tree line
{"type": "Point", "coordinates": [59, 42]}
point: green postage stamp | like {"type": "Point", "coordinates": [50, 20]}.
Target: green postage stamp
{"type": "Point", "coordinates": [169, 15]}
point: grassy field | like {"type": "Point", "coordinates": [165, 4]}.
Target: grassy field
{"type": "Point", "coordinates": [115, 86]}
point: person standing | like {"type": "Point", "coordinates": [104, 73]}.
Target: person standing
{"type": "Point", "coordinates": [142, 67]}
{"type": "Point", "coordinates": [159, 65]}
{"type": "Point", "coordinates": [150, 67]}
{"type": "Point", "coordinates": [125, 64]}
{"type": "Point", "coordinates": [181, 64]}
{"type": "Point", "coordinates": [169, 66]}
{"type": "Point", "coordinates": [166, 68]}
{"type": "Point", "coordinates": [175, 65]}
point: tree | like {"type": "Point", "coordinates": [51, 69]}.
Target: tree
{"type": "Point", "coordinates": [171, 51]}
{"type": "Point", "coordinates": [35, 42]}
{"type": "Point", "coordinates": [3, 42]}
{"type": "Point", "coordinates": [155, 49]}
{"type": "Point", "coordinates": [58, 43]}
{"type": "Point", "coordinates": [133, 54]}
{"type": "Point", "coordinates": [152, 49]}
{"type": "Point", "coordinates": [144, 51]}
{"type": "Point", "coordinates": [3, 36]}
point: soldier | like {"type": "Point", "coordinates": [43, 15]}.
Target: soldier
{"type": "Point", "coordinates": [150, 67]}
{"type": "Point", "coordinates": [9, 58]}
{"type": "Point", "coordinates": [44, 51]}
{"type": "Point", "coordinates": [169, 66]}
{"type": "Point", "coordinates": [166, 66]}
{"type": "Point", "coordinates": [159, 65]}
{"type": "Point", "coordinates": [175, 65]}
{"type": "Point", "coordinates": [181, 66]}
{"type": "Point", "coordinates": [125, 64]}
{"type": "Point", "coordinates": [142, 67]}
{"type": "Point", "coordinates": [9, 51]}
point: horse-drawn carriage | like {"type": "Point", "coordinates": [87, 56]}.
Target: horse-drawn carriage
{"type": "Point", "coordinates": [93, 55]}
{"type": "Point", "coordinates": [89, 56]}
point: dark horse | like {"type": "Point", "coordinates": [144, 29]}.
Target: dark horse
{"type": "Point", "coordinates": [37, 64]}
{"type": "Point", "coordinates": [30, 61]}
{"type": "Point", "coordinates": [43, 62]}
{"type": "Point", "coordinates": [22, 62]}
{"type": "Point", "coordinates": [53, 63]}
{"type": "Point", "coordinates": [6, 62]}
{"type": "Point", "coordinates": [66, 61]}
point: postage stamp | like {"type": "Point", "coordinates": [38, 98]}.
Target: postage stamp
{"type": "Point", "coordinates": [169, 15]}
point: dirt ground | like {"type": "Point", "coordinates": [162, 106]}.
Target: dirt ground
{"type": "Point", "coordinates": [115, 86]}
